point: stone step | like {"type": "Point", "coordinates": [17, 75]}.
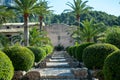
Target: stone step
{"type": "Point", "coordinates": [57, 60]}
{"type": "Point", "coordinates": [57, 65]}
{"type": "Point", "coordinates": [56, 73]}
{"type": "Point", "coordinates": [59, 55]}
{"type": "Point", "coordinates": [60, 79]}
{"type": "Point", "coordinates": [56, 57]}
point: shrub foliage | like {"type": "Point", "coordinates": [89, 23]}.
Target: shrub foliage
{"type": "Point", "coordinates": [70, 50]}
{"type": "Point", "coordinates": [21, 57]}
{"type": "Point", "coordinates": [111, 67]}
{"type": "Point", "coordinates": [113, 37]}
{"type": "Point", "coordinates": [59, 47]}
{"type": "Point", "coordinates": [74, 51]}
{"type": "Point", "coordinates": [79, 50]}
{"type": "Point", "coordinates": [49, 49]}
{"type": "Point", "coordinates": [39, 53]}
{"type": "Point", "coordinates": [6, 67]}
{"type": "Point", "coordinates": [94, 55]}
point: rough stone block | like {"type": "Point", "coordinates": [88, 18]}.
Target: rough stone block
{"type": "Point", "coordinates": [97, 74]}
{"type": "Point", "coordinates": [42, 65]}
{"type": "Point", "coordinates": [74, 64]}
{"type": "Point", "coordinates": [18, 75]}
{"type": "Point", "coordinates": [31, 75]}
{"type": "Point", "coordinates": [80, 72]}
{"type": "Point", "coordinates": [67, 55]}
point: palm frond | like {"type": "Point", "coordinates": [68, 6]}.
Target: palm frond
{"type": "Point", "coordinates": [78, 6]}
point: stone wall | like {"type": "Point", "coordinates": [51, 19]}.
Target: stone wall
{"type": "Point", "coordinates": [59, 35]}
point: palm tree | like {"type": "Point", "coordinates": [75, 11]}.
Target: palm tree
{"type": "Point", "coordinates": [41, 10]}
{"type": "Point", "coordinates": [17, 39]}
{"type": "Point", "coordinates": [38, 38]}
{"type": "Point", "coordinates": [89, 32]}
{"type": "Point", "coordinates": [5, 14]}
{"type": "Point", "coordinates": [25, 7]}
{"type": "Point", "coordinates": [78, 7]}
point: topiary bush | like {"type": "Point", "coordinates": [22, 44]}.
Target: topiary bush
{"type": "Point", "coordinates": [59, 47]}
{"type": "Point", "coordinates": [39, 53]}
{"type": "Point", "coordinates": [79, 50]}
{"type": "Point", "coordinates": [49, 49]}
{"type": "Point", "coordinates": [21, 57]}
{"type": "Point", "coordinates": [113, 36]}
{"type": "Point", "coordinates": [111, 68]}
{"type": "Point", "coordinates": [46, 49]}
{"type": "Point", "coordinates": [67, 49]}
{"type": "Point", "coordinates": [74, 51]}
{"type": "Point", "coordinates": [94, 55]}
{"type": "Point", "coordinates": [70, 51]}
{"type": "Point", "coordinates": [6, 67]}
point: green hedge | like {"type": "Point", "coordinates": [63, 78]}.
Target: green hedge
{"type": "Point", "coordinates": [111, 67]}
{"type": "Point", "coordinates": [70, 51]}
{"type": "Point", "coordinates": [79, 50]}
{"type": "Point", "coordinates": [6, 67]}
{"type": "Point", "coordinates": [113, 37]}
{"type": "Point", "coordinates": [49, 49]}
{"type": "Point", "coordinates": [59, 47]}
{"type": "Point", "coordinates": [21, 57]}
{"type": "Point", "coordinates": [67, 49]}
{"type": "Point", "coordinates": [94, 55]}
{"type": "Point", "coordinates": [74, 51]}
{"type": "Point", "coordinates": [46, 49]}
{"type": "Point", "coordinates": [39, 53]}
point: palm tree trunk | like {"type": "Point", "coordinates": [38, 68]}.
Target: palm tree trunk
{"type": "Point", "coordinates": [40, 21]}
{"type": "Point", "coordinates": [78, 20]}
{"type": "Point", "coordinates": [26, 30]}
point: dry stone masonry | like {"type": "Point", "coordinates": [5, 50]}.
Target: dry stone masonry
{"type": "Point", "coordinates": [56, 68]}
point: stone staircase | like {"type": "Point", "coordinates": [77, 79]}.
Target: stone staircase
{"type": "Point", "coordinates": [58, 66]}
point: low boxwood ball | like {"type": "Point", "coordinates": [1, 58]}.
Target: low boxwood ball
{"type": "Point", "coordinates": [79, 50]}
{"type": "Point", "coordinates": [111, 67]}
{"type": "Point", "coordinates": [38, 52]}
{"type": "Point", "coordinates": [6, 67]}
{"type": "Point", "coordinates": [94, 55]}
{"type": "Point", "coordinates": [21, 57]}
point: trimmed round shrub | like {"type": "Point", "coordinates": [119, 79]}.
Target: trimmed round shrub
{"type": "Point", "coordinates": [21, 57]}
{"type": "Point", "coordinates": [70, 51]}
{"type": "Point", "coordinates": [113, 36]}
{"type": "Point", "coordinates": [39, 53]}
{"type": "Point", "coordinates": [79, 50]}
{"type": "Point", "coordinates": [111, 68]}
{"type": "Point", "coordinates": [6, 67]}
{"type": "Point", "coordinates": [67, 48]}
{"type": "Point", "coordinates": [46, 49]}
{"type": "Point", "coordinates": [73, 51]}
{"type": "Point", "coordinates": [59, 47]}
{"type": "Point", "coordinates": [94, 55]}
{"type": "Point", "coordinates": [49, 48]}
